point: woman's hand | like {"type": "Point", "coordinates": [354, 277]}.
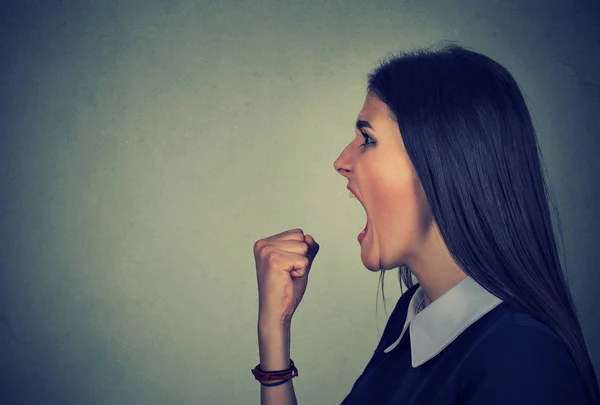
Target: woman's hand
{"type": "Point", "coordinates": [283, 262]}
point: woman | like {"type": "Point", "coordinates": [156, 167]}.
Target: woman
{"type": "Point", "coordinates": [446, 165]}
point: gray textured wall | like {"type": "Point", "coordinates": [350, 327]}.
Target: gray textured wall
{"type": "Point", "coordinates": [145, 146]}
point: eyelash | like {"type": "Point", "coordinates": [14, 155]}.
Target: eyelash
{"type": "Point", "coordinates": [367, 143]}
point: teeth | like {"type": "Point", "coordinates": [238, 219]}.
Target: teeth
{"type": "Point", "coordinates": [352, 195]}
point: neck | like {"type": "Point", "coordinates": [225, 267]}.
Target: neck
{"type": "Point", "coordinates": [435, 268]}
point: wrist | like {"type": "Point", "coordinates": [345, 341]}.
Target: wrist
{"type": "Point", "coordinates": [274, 347]}
{"type": "Point", "coordinates": [266, 323]}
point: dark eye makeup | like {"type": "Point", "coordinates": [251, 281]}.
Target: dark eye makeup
{"type": "Point", "coordinates": [367, 137]}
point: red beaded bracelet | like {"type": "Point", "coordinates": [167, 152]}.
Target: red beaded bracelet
{"type": "Point", "coordinates": [261, 375]}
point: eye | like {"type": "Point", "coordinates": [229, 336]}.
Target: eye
{"type": "Point", "coordinates": [367, 137]}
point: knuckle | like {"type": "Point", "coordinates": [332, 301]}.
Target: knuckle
{"type": "Point", "coordinates": [258, 245]}
{"type": "Point", "coordinates": [267, 249]}
{"type": "Point", "coordinates": [272, 258]}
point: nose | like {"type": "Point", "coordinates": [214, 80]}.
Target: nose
{"type": "Point", "coordinates": [342, 163]}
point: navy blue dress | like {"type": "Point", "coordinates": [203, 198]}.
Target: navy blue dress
{"type": "Point", "coordinates": [504, 357]}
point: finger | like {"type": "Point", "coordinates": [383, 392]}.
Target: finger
{"type": "Point", "coordinates": [292, 246]}
{"type": "Point", "coordinates": [292, 234]}
{"type": "Point", "coordinates": [293, 263]}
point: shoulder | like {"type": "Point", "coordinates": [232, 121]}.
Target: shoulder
{"type": "Point", "coordinates": [520, 329]}
{"type": "Point", "coordinates": [520, 360]}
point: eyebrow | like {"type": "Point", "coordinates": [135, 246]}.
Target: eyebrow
{"type": "Point", "coordinates": [360, 124]}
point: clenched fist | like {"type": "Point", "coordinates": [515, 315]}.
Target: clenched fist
{"type": "Point", "coordinates": [283, 262]}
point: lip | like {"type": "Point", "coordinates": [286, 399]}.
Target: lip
{"type": "Point", "coordinates": [363, 234]}
{"type": "Point", "coordinates": [354, 192]}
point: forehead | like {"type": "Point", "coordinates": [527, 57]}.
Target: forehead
{"type": "Point", "coordinates": [373, 109]}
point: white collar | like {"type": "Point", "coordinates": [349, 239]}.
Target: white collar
{"type": "Point", "coordinates": [443, 320]}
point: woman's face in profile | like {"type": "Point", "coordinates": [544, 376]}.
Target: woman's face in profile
{"type": "Point", "coordinates": [385, 182]}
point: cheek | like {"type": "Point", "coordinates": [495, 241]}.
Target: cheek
{"type": "Point", "coordinates": [397, 202]}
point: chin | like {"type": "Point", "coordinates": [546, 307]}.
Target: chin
{"type": "Point", "coordinates": [375, 266]}
{"type": "Point", "coordinates": [369, 265]}
{"type": "Point", "coordinates": [382, 265]}
{"type": "Point", "coordinates": [374, 261]}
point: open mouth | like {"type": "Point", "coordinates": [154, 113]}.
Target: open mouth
{"type": "Point", "coordinates": [363, 234]}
